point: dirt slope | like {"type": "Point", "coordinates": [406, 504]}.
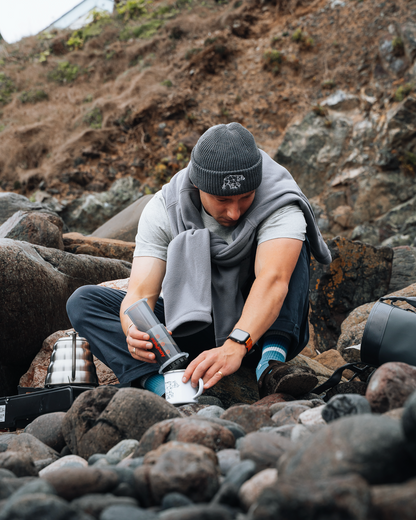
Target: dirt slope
{"type": "Point", "coordinates": [129, 102]}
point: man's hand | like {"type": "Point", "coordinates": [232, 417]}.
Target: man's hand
{"type": "Point", "coordinates": [215, 363]}
{"type": "Point", "coordinates": [139, 345]}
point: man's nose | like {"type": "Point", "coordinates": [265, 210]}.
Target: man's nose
{"type": "Point", "coordinates": [233, 212]}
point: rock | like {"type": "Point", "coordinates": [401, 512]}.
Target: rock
{"type": "Point", "coordinates": [94, 504]}
{"type": "Point", "coordinates": [123, 226]}
{"type": "Point", "coordinates": [127, 512]}
{"type": "Point", "coordinates": [202, 512]}
{"type": "Point", "coordinates": [397, 413]}
{"type": "Point", "coordinates": [185, 468]}
{"type": "Point", "coordinates": [11, 203]}
{"type": "Point", "coordinates": [76, 244]}
{"type": "Point", "coordinates": [352, 387]}
{"type": "Point", "coordinates": [369, 445]}
{"type": "Point", "coordinates": [86, 214]}
{"type": "Point", "coordinates": [241, 472]}
{"type": "Point", "coordinates": [397, 226]}
{"type": "Point", "coordinates": [346, 498]}
{"type": "Point", "coordinates": [251, 490]}
{"type": "Point", "coordinates": [332, 359]}
{"type": "Point", "coordinates": [272, 399]}
{"type": "Point", "coordinates": [404, 268]}
{"type": "Point", "coordinates": [343, 405]}
{"type": "Point", "coordinates": [249, 417]}
{"type": "Point", "coordinates": [27, 444]}
{"type": "Point", "coordinates": [211, 411]}
{"type": "Point", "coordinates": [71, 483]}
{"type": "Point", "coordinates": [264, 448]}
{"type": "Point", "coordinates": [101, 418]}
{"type": "Point", "coordinates": [21, 465]}
{"type": "Point", "coordinates": [309, 147]}
{"type": "Point", "coordinates": [390, 386]}
{"type": "Point", "coordinates": [277, 407]}
{"type": "Point", "coordinates": [189, 410]}
{"type": "Point", "coordinates": [195, 430]}
{"type": "Point", "coordinates": [121, 450]}
{"type": "Point", "coordinates": [35, 227]}
{"type": "Point", "coordinates": [358, 274]}
{"type": "Point", "coordinates": [48, 429]}
{"type": "Point", "coordinates": [312, 417]}
{"type": "Point", "coordinates": [396, 501]}
{"type": "Point", "coordinates": [409, 423]}
{"type": "Point", "coordinates": [41, 505]}
{"type": "Point", "coordinates": [36, 373]}
{"type": "Point", "coordinates": [175, 500]}
{"type": "Point", "coordinates": [236, 429]}
{"type": "Point", "coordinates": [289, 414]}
{"type": "Point", "coordinates": [352, 328]}
{"type": "Point", "coordinates": [40, 279]}
{"type": "Point", "coordinates": [69, 461]}
{"type": "Point", "coordinates": [341, 100]}
{"type": "Point", "coordinates": [237, 388]}
{"type": "Point", "coordinates": [37, 485]}
{"type": "Point", "coordinates": [227, 495]}
{"type": "Point", "coordinates": [227, 459]}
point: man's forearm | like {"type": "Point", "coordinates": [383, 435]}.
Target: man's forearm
{"type": "Point", "coordinates": [262, 306]}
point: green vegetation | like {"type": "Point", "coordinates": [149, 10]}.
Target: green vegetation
{"type": "Point", "coordinates": [272, 59]}
{"type": "Point", "coordinates": [297, 35]}
{"type": "Point", "coordinates": [7, 88]}
{"type": "Point", "coordinates": [2, 127]}
{"type": "Point", "coordinates": [144, 31]}
{"type": "Point", "coordinates": [167, 83]}
{"type": "Point", "coordinates": [319, 110]}
{"type": "Point", "coordinates": [17, 185]}
{"type": "Point", "coordinates": [99, 20]}
{"type": "Point", "coordinates": [131, 9]}
{"type": "Point", "coordinates": [88, 98]}
{"type": "Point", "coordinates": [33, 96]}
{"type": "Point", "coordinates": [305, 41]}
{"type": "Point", "coordinates": [403, 91]}
{"type": "Point", "coordinates": [43, 56]}
{"type": "Point", "coordinates": [94, 118]}
{"type": "Point", "coordinates": [192, 52]}
{"type": "Point", "coordinates": [328, 84]}
{"type": "Point", "coordinates": [64, 72]}
{"type": "Point", "coordinates": [398, 46]}
{"type": "Point", "coordinates": [408, 162]}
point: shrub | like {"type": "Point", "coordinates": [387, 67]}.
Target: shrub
{"type": "Point", "coordinates": [297, 35]}
{"type": "Point", "coordinates": [33, 96]}
{"type": "Point", "coordinates": [167, 83]}
{"type": "Point", "coordinates": [7, 88]}
{"type": "Point", "coordinates": [64, 72]}
{"type": "Point", "coordinates": [94, 118]}
{"type": "Point", "coordinates": [145, 30]}
{"type": "Point", "coordinates": [403, 91]}
{"type": "Point", "coordinates": [319, 110]}
{"type": "Point", "coordinates": [408, 162]}
{"type": "Point", "coordinates": [131, 9]}
{"type": "Point", "coordinates": [272, 59]}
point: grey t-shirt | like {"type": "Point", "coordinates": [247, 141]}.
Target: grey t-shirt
{"type": "Point", "coordinates": [154, 233]}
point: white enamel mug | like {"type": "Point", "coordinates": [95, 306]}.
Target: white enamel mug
{"type": "Point", "coordinates": [177, 392]}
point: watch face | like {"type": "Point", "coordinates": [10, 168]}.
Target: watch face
{"type": "Point", "coordinates": [239, 335]}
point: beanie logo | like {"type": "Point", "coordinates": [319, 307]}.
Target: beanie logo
{"type": "Point", "coordinates": [232, 182]}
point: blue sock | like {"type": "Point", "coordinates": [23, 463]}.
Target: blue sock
{"type": "Point", "coordinates": [154, 383]}
{"type": "Point", "coordinates": [275, 347]}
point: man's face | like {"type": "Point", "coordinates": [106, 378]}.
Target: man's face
{"type": "Point", "coordinates": [227, 210]}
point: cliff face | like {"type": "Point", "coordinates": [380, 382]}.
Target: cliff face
{"type": "Point", "coordinates": [325, 87]}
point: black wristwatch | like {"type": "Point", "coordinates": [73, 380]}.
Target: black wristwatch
{"type": "Point", "coordinates": [242, 337]}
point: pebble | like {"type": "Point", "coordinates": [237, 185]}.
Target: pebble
{"type": "Point", "coordinates": [70, 461]}
{"type": "Point", "coordinates": [343, 405]}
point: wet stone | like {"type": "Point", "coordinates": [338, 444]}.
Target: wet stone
{"type": "Point", "coordinates": [241, 472]}
{"type": "Point", "coordinates": [228, 459]}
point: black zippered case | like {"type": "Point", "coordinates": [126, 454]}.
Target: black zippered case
{"type": "Point", "coordinates": [17, 411]}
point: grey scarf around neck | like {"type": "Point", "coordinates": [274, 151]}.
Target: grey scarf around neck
{"type": "Point", "coordinates": [204, 275]}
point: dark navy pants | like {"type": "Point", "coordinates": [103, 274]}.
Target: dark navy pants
{"type": "Point", "coordinates": [94, 313]}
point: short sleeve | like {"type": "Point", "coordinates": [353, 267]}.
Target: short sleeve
{"type": "Point", "coordinates": [286, 222]}
{"type": "Point", "coordinates": [153, 232]}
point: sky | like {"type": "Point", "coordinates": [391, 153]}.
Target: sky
{"type": "Point", "coordinates": [20, 18]}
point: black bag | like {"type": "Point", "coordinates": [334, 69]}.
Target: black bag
{"type": "Point", "coordinates": [389, 335]}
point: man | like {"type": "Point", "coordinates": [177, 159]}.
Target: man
{"type": "Point", "coordinates": [227, 242]}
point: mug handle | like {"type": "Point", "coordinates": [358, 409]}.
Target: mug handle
{"type": "Point", "coordinates": [200, 389]}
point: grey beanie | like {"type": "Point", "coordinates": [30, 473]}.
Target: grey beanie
{"type": "Point", "coordinates": [226, 161]}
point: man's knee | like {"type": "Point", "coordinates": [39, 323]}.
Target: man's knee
{"type": "Point", "coordinates": [76, 302]}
